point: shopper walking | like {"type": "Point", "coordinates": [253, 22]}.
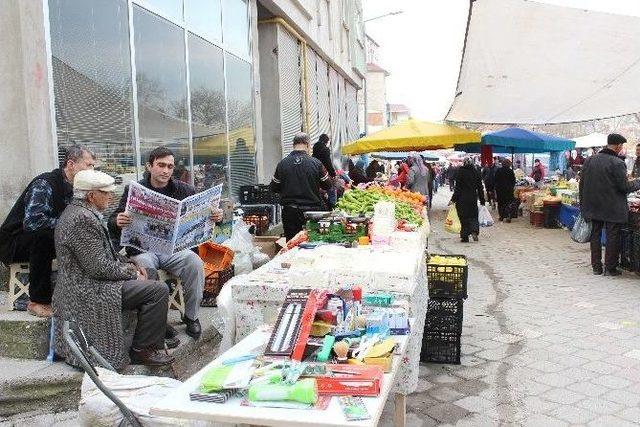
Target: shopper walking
{"type": "Point", "coordinates": [418, 177]}
{"type": "Point", "coordinates": [489, 178]}
{"type": "Point", "coordinates": [505, 181]}
{"type": "Point", "coordinates": [298, 178]}
{"type": "Point", "coordinates": [467, 192]}
{"type": "Point", "coordinates": [603, 201]}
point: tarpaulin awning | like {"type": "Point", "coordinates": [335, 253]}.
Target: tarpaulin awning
{"type": "Point", "coordinates": [412, 135]}
{"type": "Point", "coordinates": [592, 140]}
{"type": "Point", "coordinates": [517, 140]}
{"type": "Point", "coordinates": [526, 62]}
{"type": "Point", "coordinates": [389, 155]}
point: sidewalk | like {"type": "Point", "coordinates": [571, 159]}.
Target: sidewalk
{"type": "Point", "coordinates": [545, 342]}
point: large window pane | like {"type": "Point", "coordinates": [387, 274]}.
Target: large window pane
{"type": "Point", "coordinates": [208, 125]}
{"type": "Point", "coordinates": [92, 81]}
{"type": "Point", "coordinates": [162, 88]}
{"type": "Point", "coordinates": [204, 17]}
{"type": "Point", "coordinates": [241, 139]}
{"type": "Point", "coordinates": [236, 27]}
{"type": "Point", "coordinates": [170, 8]}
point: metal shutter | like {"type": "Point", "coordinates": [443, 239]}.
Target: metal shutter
{"type": "Point", "coordinates": [342, 115]}
{"type": "Point", "coordinates": [335, 111]}
{"type": "Point", "coordinates": [290, 88]}
{"type": "Point", "coordinates": [312, 93]}
{"type": "Point", "coordinates": [353, 129]}
{"type": "Point", "coordinates": [324, 107]}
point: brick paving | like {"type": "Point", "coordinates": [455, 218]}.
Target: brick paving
{"type": "Point", "coordinates": [544, 342]}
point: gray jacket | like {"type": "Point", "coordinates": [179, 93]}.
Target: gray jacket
{"type": "Point", "coordinates": [604, 187]}
{"type": "Point", "coordinates": [416, 182]}
{"type": "Point", "coordinates": [89, 286]}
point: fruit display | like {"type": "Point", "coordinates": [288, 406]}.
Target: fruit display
{"type": "Point", "coordinates": [408, 205]}
{"type": "Point", "coordinates": [447, 260]}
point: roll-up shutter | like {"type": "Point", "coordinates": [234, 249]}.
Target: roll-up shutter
{"type": "Point", "coordinates": [312, 94]}
{"type": "Point", "coordinates": [290, 88]}
{"type": "Point", "coordinates": [324, 107]}
{"type": "Point", "coordinates": [342, 113]}
{"type": "Point", "coordinates": [335, 110]}
{"type": "Point", "coordinates": [353, 129]}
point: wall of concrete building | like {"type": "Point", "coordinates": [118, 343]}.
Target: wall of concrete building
{"type": "Point", "coordinates": [376, 100]}
{"type": "Point", "coordinates": [25, 112]}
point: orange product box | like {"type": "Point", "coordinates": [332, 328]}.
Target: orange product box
{"type": "Point", "coordinates": [353, 380]}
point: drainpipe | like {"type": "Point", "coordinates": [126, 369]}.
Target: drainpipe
{"type": "Point", "coordinates": [303, 45]}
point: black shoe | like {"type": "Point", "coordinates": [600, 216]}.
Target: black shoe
{"type": "Point", "coordinates": [614, 272]}
{"type": "Point", "coordinates": [170, 332]}
{"type": "Point", "coordinates": [597, 271]}
{"type": "Point", "coordinates": [171, 342]}
{"type": "Point", "coordinates": [150, 357]}
{"type": "Point", "coordinates": [464, 240]}
{"type": "Point", "coordinates": [474, 236]}
{"type": "Point", "coordinates": [500, 219]}
{"type": "Point", "coordinates": [193, 328]}
{"type": "Point", "coordinates": [508, 220]}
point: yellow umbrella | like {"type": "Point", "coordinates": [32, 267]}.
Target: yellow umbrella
{"type": "Point", "coordinates": [412, 135]}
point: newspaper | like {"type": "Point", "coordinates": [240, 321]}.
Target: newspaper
{"type": "Point", "coordinates": [163, 225]}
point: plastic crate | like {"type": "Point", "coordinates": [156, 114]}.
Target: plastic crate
{"type": "Point", "coordinates": [215, 257]}
{"type": "Point", "coordinates": [444, 315]}
{"type": "Point", "coordinates": [447, 281]}
{"type": "Point", "coordinates": [267, 210]}
{"type": "Point", "coordinates": [440, 347]}
{"type": "Point", "coordinates": [257, 194]}
{"type": "Point", "coordinates": [213, 283]}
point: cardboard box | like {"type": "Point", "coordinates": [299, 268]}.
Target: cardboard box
{"type": "Point", "coordinates": [353, 380]}
{"type": "Point", "coordinates": [267, 245]}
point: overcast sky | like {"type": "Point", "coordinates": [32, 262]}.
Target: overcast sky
{"type": "Point", "coordinates": [421, 47]}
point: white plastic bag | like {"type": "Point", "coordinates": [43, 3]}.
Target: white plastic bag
{"type": "Point", "coordinates": [581, 232]}
{"type": "Point", "coordinates": [241, 240]}
{"type": "Point", "coordinates": [484, 217]}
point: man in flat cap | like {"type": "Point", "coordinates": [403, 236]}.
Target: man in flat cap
{"type": "Point", "coordinates": [95, 284]}
{"type": "Point", "coordinates": [603, 201]}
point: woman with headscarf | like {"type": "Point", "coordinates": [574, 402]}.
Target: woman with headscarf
{"type": "Point", "coordinates": [356, 172]}
{"type": "Point", "coordinates": [505, 181]}
{"type": "Point", "coordinates": [467, 191]}
{"type": "Point", "coordinates": [418, 177]}
{"type": "Point", "coordinates": [372, 170]}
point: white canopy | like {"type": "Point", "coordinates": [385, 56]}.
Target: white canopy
{"type": "Point", "coordinates": [534, 63]}
{"type": "Point", "coordinates": [592, 140]}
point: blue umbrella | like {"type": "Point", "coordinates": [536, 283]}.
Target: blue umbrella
{"type": "Point", "coordinates": [517, 140]}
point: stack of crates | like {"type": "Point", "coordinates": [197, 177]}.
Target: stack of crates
{"type": "Point", "coordinates": [260, 206]}
{"type": "Point", "coordinates": [447, 282]}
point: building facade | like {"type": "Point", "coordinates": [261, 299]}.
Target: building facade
{"type": "Point", "coordinates": [201, 77]}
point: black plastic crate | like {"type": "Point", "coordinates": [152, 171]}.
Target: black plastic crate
{"type": "Point", "coordinates": [444, 315]}
{"type": "Point", "coordinates": [257, 194]}
{"type": "Point", "coordinates": [627, 252]}
{"type": "Point", "coordinates": [258, 210]}
{"type": "Point", "coordinates": [447, 281]}
{"type": "Point", "coordinates": [440, 347]}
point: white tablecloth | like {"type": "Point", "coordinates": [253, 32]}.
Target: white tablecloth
{"type": "Point", "coordinates": [250, 300]}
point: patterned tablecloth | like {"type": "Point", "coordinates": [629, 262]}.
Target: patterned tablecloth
{"type": "Point", "coordinates": [251, 300]}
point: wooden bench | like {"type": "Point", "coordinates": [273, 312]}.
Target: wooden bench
{"type": "Point", "coordinates": [17, 287]}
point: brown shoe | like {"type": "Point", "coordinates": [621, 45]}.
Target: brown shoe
{"type": "Point", "coordinates": [39, 310]}
{"type": "Point", "coordinates": [150, 357]}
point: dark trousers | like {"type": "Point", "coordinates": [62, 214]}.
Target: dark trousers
{"type": "Point", "coordinates": [469, 226]}
{"type": "Point", "coordinates": [293, 220]}
{"type": "Point", "coordinates": [37, 248]}
{"type": "Point", "coordinates": [150, 298]}
{"type": "Point", "coordinates": [491, 196]}
{"type": "Point", "coordinates": [612, 247]}
{"type": "Point", "coordinates": [505, 208]}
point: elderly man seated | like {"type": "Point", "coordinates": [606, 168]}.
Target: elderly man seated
{"type": "Point", "coordinates": [95, 284]}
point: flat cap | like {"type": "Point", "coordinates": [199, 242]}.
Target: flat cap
{"type": "Point", "coordinates": [90, 179]}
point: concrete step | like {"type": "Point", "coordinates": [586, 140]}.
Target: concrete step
{"type": "Point", "coordinates": [23, 336]}
{"type": "Point", "coordinates": [43, 387]}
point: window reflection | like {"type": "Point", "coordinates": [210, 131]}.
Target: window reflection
{"type": "Point", "coordinates": [236, 26]}
{"type": "Point", "coordinates": [92, 81]}
{"type": "Point", "coordinates": [170, 8]}
{"type": "Point", "coordinates": [204, 18]}
{"type": "Point", "coordinates": [208, 125]}
{"type": "Point", "coordinates": [162, 88]}
{"type": "Point", "coordinates": [240, 112]}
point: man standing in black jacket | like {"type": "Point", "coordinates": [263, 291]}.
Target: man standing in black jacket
{"type": "Point", "coordinates": [603, 201]}
{"type": "Point", "coordinates": [298, 178]}
{"type": "Point", "coordinates": [322, 152]}
{"type": "Point", "coordinates": [27, 233]}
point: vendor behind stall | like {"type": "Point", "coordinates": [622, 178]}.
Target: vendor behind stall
{"type": "Point", "coordinates": [298, 179]}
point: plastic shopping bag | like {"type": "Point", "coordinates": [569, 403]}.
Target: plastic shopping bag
{"type": "Point", "coordinates": [484, 217]}
{"type": "Point", "coordinates": [581, 232]}
{"type": "Point", "coordinates": [452, 222]}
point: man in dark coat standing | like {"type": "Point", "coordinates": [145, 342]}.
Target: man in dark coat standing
{"type": "Point", "coordinates": [603, 201]}
{"type": "Point", "coordinates": [505, 181]}
{"type": "Point", "coordinates": [322, 152]}
{"type": "Point", "coordinates": [466, 194]}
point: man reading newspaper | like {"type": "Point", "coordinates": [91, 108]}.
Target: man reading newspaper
{"type": "Point", "coordinates": [185, 263]}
